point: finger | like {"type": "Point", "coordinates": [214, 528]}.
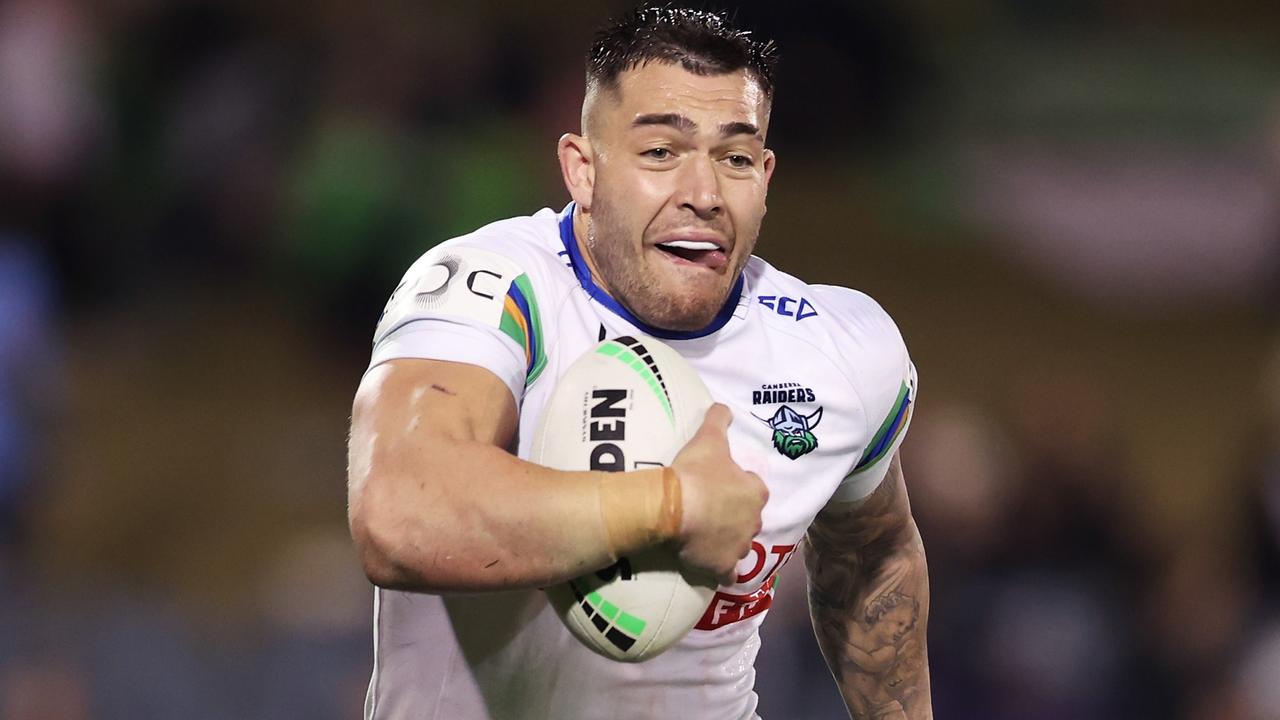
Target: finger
{"type": "Point", "coordinates": [760, 484]}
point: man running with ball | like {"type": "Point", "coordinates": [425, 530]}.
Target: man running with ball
{"type": "Point", "coordinates": [668, 180]}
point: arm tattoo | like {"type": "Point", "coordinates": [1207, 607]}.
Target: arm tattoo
{"type": "Point", "coordinates": [869, 601]}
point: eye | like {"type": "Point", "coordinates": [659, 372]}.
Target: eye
{"type": "Point", "coordinates": [739, 162]}
{"type": "Point", "coordinates": [658, 153]}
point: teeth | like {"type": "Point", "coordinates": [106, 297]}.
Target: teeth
{"type": "Point", "coordinates": [691, 245]}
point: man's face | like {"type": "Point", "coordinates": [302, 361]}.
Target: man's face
{"type": "Point", "coordinates": [681, 174]}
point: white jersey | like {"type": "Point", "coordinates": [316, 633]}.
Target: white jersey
{"type": "Point", "coordinates": [821, 390]}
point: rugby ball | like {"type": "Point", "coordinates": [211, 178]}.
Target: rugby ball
{"type": "Point", "coordinates": [627, 404]}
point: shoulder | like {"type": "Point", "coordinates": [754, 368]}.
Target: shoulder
{"type": "Point", "coordinates": [848, 327]}
{"type": "Point", "coordinates": [530, 244]}
{"type": "Point", "coordinates": [845, 321]}
{"type": "Point", "coordinates": [859, 320]}
{"type": "Point", "coordinates": [469, 277]}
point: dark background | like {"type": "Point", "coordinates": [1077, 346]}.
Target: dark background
{"type": "Point", "coordinates": [1072, 209]}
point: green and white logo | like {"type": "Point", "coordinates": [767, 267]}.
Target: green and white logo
{"type": "Point", "coordinates": [792, 432]}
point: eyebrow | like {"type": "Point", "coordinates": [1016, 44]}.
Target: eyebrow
{"type": "Point", "coordinates": [739, 128]}
{"type": "Point", "coordinates": [684, 124]}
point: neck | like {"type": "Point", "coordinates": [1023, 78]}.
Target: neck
{"type": "Point", "coordinates": [581, 228]}
{"type": "Point", "coordinates": [585, 268]}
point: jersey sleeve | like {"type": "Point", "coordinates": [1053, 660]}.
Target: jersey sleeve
{"type": "Point", "coordinates": [886, 384]}
{"type": "Point", "coordinates": [465, 304]}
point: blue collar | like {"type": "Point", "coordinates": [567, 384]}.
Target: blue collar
{"type": "Point", "coordinates": [583, 273]}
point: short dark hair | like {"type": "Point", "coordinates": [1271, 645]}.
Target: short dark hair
{"type": "Point", "coordinates": [702, 42]}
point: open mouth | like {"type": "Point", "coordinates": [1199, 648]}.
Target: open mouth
{"type": "Point", "coordinates": [695, 252]}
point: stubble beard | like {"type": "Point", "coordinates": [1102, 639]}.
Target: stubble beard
{"type": "Point", "coordinates": [636, 285]}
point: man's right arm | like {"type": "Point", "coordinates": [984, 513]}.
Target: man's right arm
{"type": "Point", "coordinates": [437, 505]}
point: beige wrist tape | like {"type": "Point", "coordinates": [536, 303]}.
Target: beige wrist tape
{"type": "Point", "coordinates": [639, 508]}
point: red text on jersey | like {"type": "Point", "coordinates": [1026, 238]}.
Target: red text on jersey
{"type": "Point", "coordinates": [727, 608]}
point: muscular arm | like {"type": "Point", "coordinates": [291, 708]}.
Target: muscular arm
{"type": "Point", "coordinates": [436, 503]}
{"type": "Point", "coordinates": [869, 602]}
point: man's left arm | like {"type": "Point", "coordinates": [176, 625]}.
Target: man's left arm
{"type": "Point", "coordinates": [869, 601]}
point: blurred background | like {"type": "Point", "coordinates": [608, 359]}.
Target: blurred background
{"type": "Point", "coordinates": [1071, 208]}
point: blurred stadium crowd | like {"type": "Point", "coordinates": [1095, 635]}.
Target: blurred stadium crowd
{"type": "Point", "coordinates": [1071, 208]}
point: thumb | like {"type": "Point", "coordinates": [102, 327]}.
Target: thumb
{"type": "Point", "coordinates": [717, 420]}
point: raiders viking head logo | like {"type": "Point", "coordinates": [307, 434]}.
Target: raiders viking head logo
{"type": "Point", "coordinates": [792, 432]}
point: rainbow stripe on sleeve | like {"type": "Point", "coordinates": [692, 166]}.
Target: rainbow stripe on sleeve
{"type": "Point", "coordinates": [890, 429]}
{"type": "Point", "coordinates": [522, 323]}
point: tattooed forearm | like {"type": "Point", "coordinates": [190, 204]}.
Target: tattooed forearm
{"type": "Point", "coordinates": [869, 600]}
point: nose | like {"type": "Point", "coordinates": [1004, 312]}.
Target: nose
{"type": "Point", "coordinates": [700, 188]}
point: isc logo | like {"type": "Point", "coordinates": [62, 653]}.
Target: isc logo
{"type": "Point", "coordinates": [788, 307]}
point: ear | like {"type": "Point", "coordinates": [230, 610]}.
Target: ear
{"type": "Point", "coordinates": [770, 160]}
{"type": "Point", "coordinates": [577, 168]}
